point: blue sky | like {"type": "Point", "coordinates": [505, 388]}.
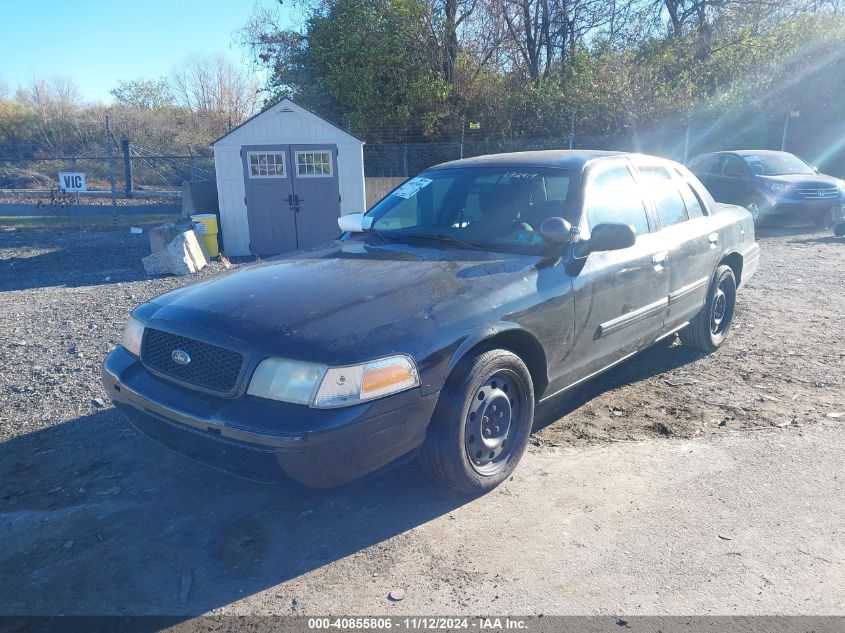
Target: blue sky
{"type": "Point", "coordinates": [98, 43]}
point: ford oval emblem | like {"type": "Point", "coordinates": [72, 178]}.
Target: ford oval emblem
{"type": "Point", "coordinates": [180, 357]}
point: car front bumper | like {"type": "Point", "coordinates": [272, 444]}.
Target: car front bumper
{"type": "Point", "coordinates": [253, 437]}
{"type": "Point", "coordinates": [804, 209]}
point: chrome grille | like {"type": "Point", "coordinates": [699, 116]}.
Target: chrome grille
{"type": "Point", "coordinates": [210, 367]}
{"type": "Point", "coordinates": [832, 192]}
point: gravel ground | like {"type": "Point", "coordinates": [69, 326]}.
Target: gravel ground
{"type": "Point", "coordinates": [643, 490]}
{"type": "Point", "coordinates": [66, 297]}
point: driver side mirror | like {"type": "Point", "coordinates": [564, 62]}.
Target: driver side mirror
{"type": "Point", "coordinates": [611, 237]}
{"type": "Point", "coordinates": [354, 223]}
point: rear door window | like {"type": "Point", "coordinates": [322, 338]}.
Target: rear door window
{"type": "Point", "coordinates": [614, 197]}
{"type": "Point", "coordinates": [733, 167]}
{"type": "Point", "coordinates": [668, 200]}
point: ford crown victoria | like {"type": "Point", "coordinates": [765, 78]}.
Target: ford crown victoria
{"type": "Point", "coordinates": [437, 321]}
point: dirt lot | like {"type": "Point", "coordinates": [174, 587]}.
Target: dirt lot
{"type": "Point", "coordinates": [743, 444]}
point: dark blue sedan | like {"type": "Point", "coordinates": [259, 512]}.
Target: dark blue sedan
{"type": "Point", "coordinates": [772, 185]}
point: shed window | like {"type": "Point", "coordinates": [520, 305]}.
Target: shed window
{"type": "Point", "coordinates": [267, 165]}
{"type": "Point", "coordinates": [314, 164]}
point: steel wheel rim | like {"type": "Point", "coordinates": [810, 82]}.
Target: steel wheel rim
{"type": "Point", "coordinates": [492, 423]}
{"type": "Point", "coordinates": [720, 316]}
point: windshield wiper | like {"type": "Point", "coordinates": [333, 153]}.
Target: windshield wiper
{"type": "Point", "coordinates": [382, 235]}
{"type": "Point", "coordinates": [442, 237]}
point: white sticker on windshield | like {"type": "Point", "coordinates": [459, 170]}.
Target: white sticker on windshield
{"type": "Point", "coordinates": [412, 187]}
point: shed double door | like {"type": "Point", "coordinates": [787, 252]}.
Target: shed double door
{"type": "Point", "coordinates": [292, 196]}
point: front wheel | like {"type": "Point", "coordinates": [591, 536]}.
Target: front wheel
{"type": "Point", "coordinates": [827, 219]}
{"type": "Point", "coordinates": [711, 325]}
{"type": "Point", "coordinates": [753, 208]}
{"type": "Point", "coordinates": [482, 422]}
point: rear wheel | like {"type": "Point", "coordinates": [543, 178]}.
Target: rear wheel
{"type": "Point", "coordinates": [482, 422]}
{"type": "Point", "coordinates": [711, 325]}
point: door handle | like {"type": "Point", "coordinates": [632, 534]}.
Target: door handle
{"type": "Point", "coordinates": [658, 259]}
{"type": "Point", "coordinates": [713, 238]}
{"type": "Point", "coordinates": [290, 202]}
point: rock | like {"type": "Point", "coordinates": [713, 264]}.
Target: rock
{"type": "Point", "coordinates": [162, 235]}
{"type": "Point", "coordinates": [680, 382]}
{"type": "Point", "coordinates": [107, 279]}
{"type": "Point", "coordinates": [725, 538]}
{"type": "Point", "coordinates": [155, 265]}
{"type": "Point", "coordinates": [98, 402]}
{"type": "Point", "coordinates": [396, 595]}
{"type": "Point", "coordinates": [835, 414]}
{"type": "Point", "coordinates": [68, 545]}
{"type": "Point", "coordinates": [136, 229]}
{"type": "Point", "coordinates": [182, 256]}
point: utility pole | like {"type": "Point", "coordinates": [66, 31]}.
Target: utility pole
{"type": "Point", "coordinates": [790, 114]}
{"type": "Point", "coordinates": [571, 129]}
{"type": "Point", "coordinates": [686, 138]}
{"type": "Point", "coordinates": [110, 153]}
{"type": "Point", "coordinates": [463, 132]}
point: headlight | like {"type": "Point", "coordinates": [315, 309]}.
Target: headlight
{"type": "Point", "coordinates": [349, 385]}
{"type": "Point", "coordinates": [132, 335]}
{"type": "Point", "coordinates": [286, 380]}
{"type": "Point", "coordinates": [842, 186]}
{"type": "Point", "coordinates": [776, 187]}
{"type": "Point", "coordinates": [325, 387]}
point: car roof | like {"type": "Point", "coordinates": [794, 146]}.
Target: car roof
{"type": "Point", "coordinates": [747, 152]}
{"type": "Point", "coordinates": [561, 158]}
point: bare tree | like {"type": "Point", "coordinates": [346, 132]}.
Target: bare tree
{"type": "Point", "coordinates": [213, 85]}
{"type": "Point", "coordinates": [56, 103]}
{"type": "Point", "coordinates": [544, 32]}
{"type": "Point", "coordinates": [147, 94]}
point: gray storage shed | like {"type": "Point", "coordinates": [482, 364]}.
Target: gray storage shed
{"type": "Point", "coordinates": [283, 178]}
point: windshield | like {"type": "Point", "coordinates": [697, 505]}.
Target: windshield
{"type": "Point", "coordinates": [779, 164]}
{"type": "Point", "coordinates": [497, 209]}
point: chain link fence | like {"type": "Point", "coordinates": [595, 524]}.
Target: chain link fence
{"type": "Point", "coordinates": [139, 173]}
{"type": "Point", "coordinates": [407, 159]}
{"type": "Point", "coordinates": [678, 140]}
{"type": "Point", "coordinates": [147, 173]}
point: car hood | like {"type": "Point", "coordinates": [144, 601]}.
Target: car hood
{"type": "Point", "coordinates": [803, 181]}
{"type": "Point", "coordinates": [351, 292]}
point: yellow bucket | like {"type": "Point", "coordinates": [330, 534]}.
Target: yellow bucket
{"type": "Point", "coordinates": [206, 225]}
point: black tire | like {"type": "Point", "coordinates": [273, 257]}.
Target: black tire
{"type": "Point", "coordinates": [839, 229]}
{"type": "Point", "coordinates": [711, 326]}
{"type": "Point", "coordinates": [826, 219]}
{"type": "Point", "coordinates": [481, 392]}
